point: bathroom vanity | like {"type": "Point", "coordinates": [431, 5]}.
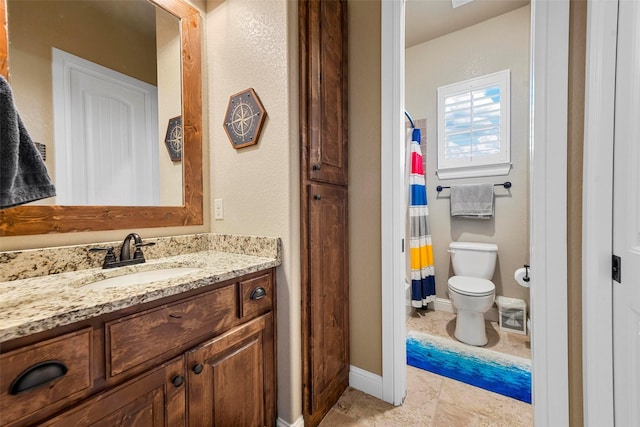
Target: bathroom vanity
{"type": "Point", "coordinates": [196, 349]}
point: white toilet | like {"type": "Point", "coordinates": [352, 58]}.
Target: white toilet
{"type": "Point", "coordinates": [471, 291]}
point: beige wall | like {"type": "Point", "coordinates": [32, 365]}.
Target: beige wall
{"type": "Point", "coordinates": [253, 43]}
{"type": "Point", "coordinates": [365, 282]}
{"type": "Point", "coordinates": [494, 45]}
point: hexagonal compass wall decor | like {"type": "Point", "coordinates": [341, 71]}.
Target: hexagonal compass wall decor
{"type": "Point", "coordinates": [244, 118]}
{"type": "Point", "coordinates": [173, 139]}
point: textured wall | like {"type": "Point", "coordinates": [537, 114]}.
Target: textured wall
{"type": "Point", "coordinates": [253, 43]}
{"type": "Point", "coordinates": [497, 44]}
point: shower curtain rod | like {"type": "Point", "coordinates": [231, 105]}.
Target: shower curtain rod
{"type": "Point", "coordinates": [410, 119]}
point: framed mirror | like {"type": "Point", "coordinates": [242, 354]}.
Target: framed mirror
{"type": "Point", "coordinates": [185, 206]}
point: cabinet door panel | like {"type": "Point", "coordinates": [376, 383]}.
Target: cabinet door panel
{"type": "Point", "coordinates": [329, 292]}
{"type": "Point", "coordinates": [148, 400]}
{"type": "Point", "coordinates": [236, 370]}
{"type": "Point", "coordinates": [327, 91]}
{"type": "Point", "coordinates": [143, 411]}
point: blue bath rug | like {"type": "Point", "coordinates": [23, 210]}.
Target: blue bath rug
{"type": "Point", "coordinates": [480, 367]}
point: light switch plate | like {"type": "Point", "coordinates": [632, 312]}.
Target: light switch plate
{"type": "Point", "coordinates": [218, 211]}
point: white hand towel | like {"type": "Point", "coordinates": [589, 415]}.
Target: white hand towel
{"type": "Point", "coordinates": [472, 201]}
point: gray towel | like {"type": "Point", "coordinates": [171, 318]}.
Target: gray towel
{"type": "Point", "coordinates": [472, 201]}
{"type": "Point", "coordinates": [23, 174]}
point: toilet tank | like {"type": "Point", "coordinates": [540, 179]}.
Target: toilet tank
{"type": "Point", "coordinates": [473, 259]}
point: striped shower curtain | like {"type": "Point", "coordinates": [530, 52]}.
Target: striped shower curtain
{"type": "Point", "coordinates": [423, 284]}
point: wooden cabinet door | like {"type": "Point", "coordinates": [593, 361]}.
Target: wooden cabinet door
{"type": "Point", "coordinates": [155, 399]}
{"type": "Point", "coordinates": [324, 88]}
{"type": "Point", "coordinates": [328, 301]}
{"type": "Point", "coordinates": [231, 379]}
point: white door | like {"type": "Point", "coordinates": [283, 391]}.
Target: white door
{"type": "Point", "coordinates": [626, 215]}
{"type": "Point", "coordinates": [106, 127]}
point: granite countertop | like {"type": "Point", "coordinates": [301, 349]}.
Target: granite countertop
{"type": "Point", "coordinates": [37, 304]}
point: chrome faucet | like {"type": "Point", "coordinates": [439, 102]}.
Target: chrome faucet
{"type": "Point", "coordinates": [125, 252]}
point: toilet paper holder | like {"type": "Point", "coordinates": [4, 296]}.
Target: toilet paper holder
{"type": "Point", "coordinates": [526, 277]}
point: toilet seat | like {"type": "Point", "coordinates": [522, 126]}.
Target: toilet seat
{"type": "Point", "coordinates": [471, 286]}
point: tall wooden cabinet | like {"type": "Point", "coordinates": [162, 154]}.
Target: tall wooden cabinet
{"type": "Point", "coordinates": [324, 204]}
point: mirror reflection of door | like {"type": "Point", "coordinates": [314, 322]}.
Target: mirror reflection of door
{"type": "Point", "coordinates": [105, 135]}
{"type": "Point", "coordinates": [132, 37]}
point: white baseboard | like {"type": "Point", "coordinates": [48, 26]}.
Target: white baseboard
{"type": "Point", "coordinates": [365, 381]}
{"type": "Point", "coordinates": [298, 423]}
{"type": "Point", "coordinates": [443, 304]}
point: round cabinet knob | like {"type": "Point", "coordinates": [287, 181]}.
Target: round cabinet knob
{"type": "Point", "coordinates": [177, 380]}
{"type": "Point", "coordinates": [197, 368]}
{"type": "Point", "coordinates": [316, 167]}
{"type": "Point", "coordinates": [317, 197]}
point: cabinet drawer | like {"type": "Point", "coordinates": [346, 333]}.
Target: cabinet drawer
{"type": "Point", "coordinates": [135, 339]}
{"type": "Point", "coordinates": [256, 296]}
{"type": "Point", "coordinates": [42, 374]}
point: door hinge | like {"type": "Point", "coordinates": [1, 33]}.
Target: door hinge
{"type": "Point", "coordinates": [616, 267]}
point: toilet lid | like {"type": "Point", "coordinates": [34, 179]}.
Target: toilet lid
{"type": "Point", "coordinates": [471, 286]}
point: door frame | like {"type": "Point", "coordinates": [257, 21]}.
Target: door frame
{"type": "Point", "coordinates": [548, 224]}
{"type": "Point", "coordinates": [597, 215]}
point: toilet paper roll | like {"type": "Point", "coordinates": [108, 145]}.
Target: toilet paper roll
{"type": "Point", "coordinates": [520, 275]}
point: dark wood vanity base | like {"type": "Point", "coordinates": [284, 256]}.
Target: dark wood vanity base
{"type": "Point", "coordinates": [202, 358]}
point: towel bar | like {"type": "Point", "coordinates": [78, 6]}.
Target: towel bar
{"type": "Point", "coordinates": [506, 184]}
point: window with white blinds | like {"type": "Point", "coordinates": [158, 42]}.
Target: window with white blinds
{"type": "Point", "coordinates": [473, 127]}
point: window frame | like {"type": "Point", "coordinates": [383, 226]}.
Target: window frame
{"type": "Point", "coordinates": [486, 165]}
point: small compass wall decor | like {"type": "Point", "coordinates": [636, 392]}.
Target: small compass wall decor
{"type": "Point", "coordinates": [173, 139]}
{"type": "Point", "coordinates": [244, 118]}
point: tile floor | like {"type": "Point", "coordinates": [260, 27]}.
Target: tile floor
{"type": "Point", "coordinates": [438, 401]}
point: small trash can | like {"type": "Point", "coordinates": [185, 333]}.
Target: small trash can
{"type": "Point", "coordinates": [512, 314]}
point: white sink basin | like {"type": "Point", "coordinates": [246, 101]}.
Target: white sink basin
{"type": "Point", "coordinates": [140, 278]}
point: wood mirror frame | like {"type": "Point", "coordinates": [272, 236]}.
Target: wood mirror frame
{"type": "Point", "coordinates": [45, 219]}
